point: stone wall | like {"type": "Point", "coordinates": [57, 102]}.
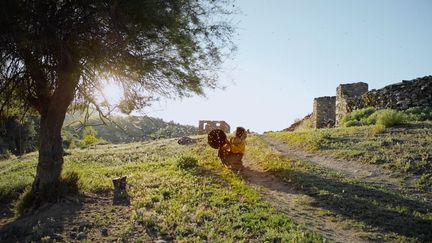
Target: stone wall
{"type": "Point", "coordinates": [324, 112]}
{"type": "Point", "coordinates": [350, 97]}
{"type": "Point", "coordinates": [345, 93]}
{"type": "Point", "coordinates": [205, 127]}
{"type": "Point", "coordinates": [400, 96]}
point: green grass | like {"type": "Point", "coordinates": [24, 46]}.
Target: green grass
{"type": "Point", "coordinates": [403, 149]}
{"type": "Point", "coordinates": [369, 206]}
{"type": "Point", "coordinates": [177, 192]}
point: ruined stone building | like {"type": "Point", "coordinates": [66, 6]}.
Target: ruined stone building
{"type": "Point", "coordinates": [205, 127]}
{"type": "Point", "coordinates": [328, 111]}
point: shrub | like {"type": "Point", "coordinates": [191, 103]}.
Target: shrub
{"type": "Point", "coordinates": [358, 117]}
{"type": "Point", "coordinates": [5, 154]}
{"type": "Point", "coordinates": [187, 162]}
{"type": "Point", "coordinates": [368, 116]}
{"type": "Point", "coordinates": [389, 117]}
{"type": "Point", "coordinates": [352, 123]}
{"type": "Point", "coordinates": [419, 114]}
{"type": "Point", "coordinates": [378, 129]}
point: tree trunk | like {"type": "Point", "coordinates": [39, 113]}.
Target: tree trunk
{"type": "Point", "coordinates": [53, 113]}
{"type": "Point", "coordinates": [50, 150]}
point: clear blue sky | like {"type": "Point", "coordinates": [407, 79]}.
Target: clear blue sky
{"type": "Point", "coordinates": [292, 51]}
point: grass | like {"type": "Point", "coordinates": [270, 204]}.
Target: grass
{"type": "Point", "coordinates": [180, 193]}
{"type": "Point", "coordinates": [406, 149]}
{"type": "Point", "coordinates": [369, 206]}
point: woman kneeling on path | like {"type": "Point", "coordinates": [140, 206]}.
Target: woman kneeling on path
{"type": "Point", "coordinates": [231, 153]}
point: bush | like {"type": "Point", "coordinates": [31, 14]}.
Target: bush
{"type": "Point", "coordinates": [5, 154]}
{"type": "Point", "coordinates": [358, 117]}
{"type": "Point", "coordinates": [368, 116]}
{"type": "Point", "coordinates": [378, 129]}
{"type": "Point", "coordinates": [187, 162]}
{"type": "Point", "coordinates": [352, 123]}
{"type": "Point", "coordinates": [419, 114]}
{"type": "Point", "coordinates": [388, 117]}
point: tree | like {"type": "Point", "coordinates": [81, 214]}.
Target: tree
{"type": "Point", "coordinates": [54, 54]}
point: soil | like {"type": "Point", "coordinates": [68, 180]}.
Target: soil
{"type": "Point", "coordinates": [90, 217]}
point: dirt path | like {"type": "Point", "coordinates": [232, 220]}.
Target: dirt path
{"type": "Point", "coordinates": [286, 199]}
{"type": "Point", "coordinates": [351, 168]}
{"type": "Point", "coordinates": [373, 174]}
{"type": "Point", "coordinates": [334, 223]}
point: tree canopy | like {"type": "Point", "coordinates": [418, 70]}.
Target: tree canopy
{"type": "Point", "coordinates": [57, 53]}
{"type": "Point", "coordinates": [149, 47]}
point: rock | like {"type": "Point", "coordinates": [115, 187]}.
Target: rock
{"type": "Point", "coordinates": [185, 141]}
{"type": "Point", "coordinates": [160, 241]}
{"type": "Point", "coordinates": [373, 174]}
{"type": "Point", "coordinates": [73, 235]}
{"type": "Point", "coordinates": [104, 231]}
{"type": "Point", "coordinates": [57, 237]}
{"type": "Point", "coordinates": [81, 236]}
{"type": "Point", "coordinates": [85, 224]}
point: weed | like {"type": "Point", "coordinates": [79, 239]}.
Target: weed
{"type": "Point", "coordinates": [187, 162]}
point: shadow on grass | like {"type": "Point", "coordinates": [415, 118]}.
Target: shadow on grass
{"type": "Point", "coordinates": [357, 202]}
{"type": "Point", "coordinates": [48, 220]}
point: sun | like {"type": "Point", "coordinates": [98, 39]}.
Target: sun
{"type": "Point", "coordinates": [111, 92]}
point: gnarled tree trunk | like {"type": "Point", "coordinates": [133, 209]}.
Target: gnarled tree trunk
{"type": "Point", "coordinates": [53, 111]}
{"type": "Point", "coordinates": [50, 149]}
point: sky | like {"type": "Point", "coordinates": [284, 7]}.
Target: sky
{"type": "Point", "coordinates": [290, 52]}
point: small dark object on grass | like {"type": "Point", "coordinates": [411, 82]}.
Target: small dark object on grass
{"type": "Point", "coordinates": [120, 194]}
{"type": "Point", "coordinates": [185, 141]}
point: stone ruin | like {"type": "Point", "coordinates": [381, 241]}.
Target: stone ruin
{"type": "Point", "coordinates": [328, 111]}
{"type": "Point", "coordinates": [205, 127]}
{"type": "Point", "coordinates": [344, 94]}
{"type": "Point", "coordinates": [324, 112]}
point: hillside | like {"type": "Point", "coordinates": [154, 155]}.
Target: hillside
{"type": "Point", "coordinates": [354, 184]}
{"type": "Point", "coordinates": [126, 129]}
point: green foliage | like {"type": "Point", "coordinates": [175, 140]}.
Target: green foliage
{"type": "Point", "coordinates": [89, 140]}
{"type": "Point", "coordinates": [174, 48]}
{"type": "Point", "coordinates": [89, 131]}
{"type": "Point", "coordinates": [18, 137]}
{"type": "Point", "coordinates": [419, 114]}
{"type": "Point", "coordinates": [370, 116]}
{"type": "Point", "coordinates": [388, 117]}
{"type": "Point", "coordinates": [358, 117]}
{"type": "Point", "coordinates": [187, 162]}
{"type": "Point", "coordinates": [127, 129]}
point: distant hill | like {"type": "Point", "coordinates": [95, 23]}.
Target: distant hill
{"type": "Point", "coordinates": [125, 129]}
